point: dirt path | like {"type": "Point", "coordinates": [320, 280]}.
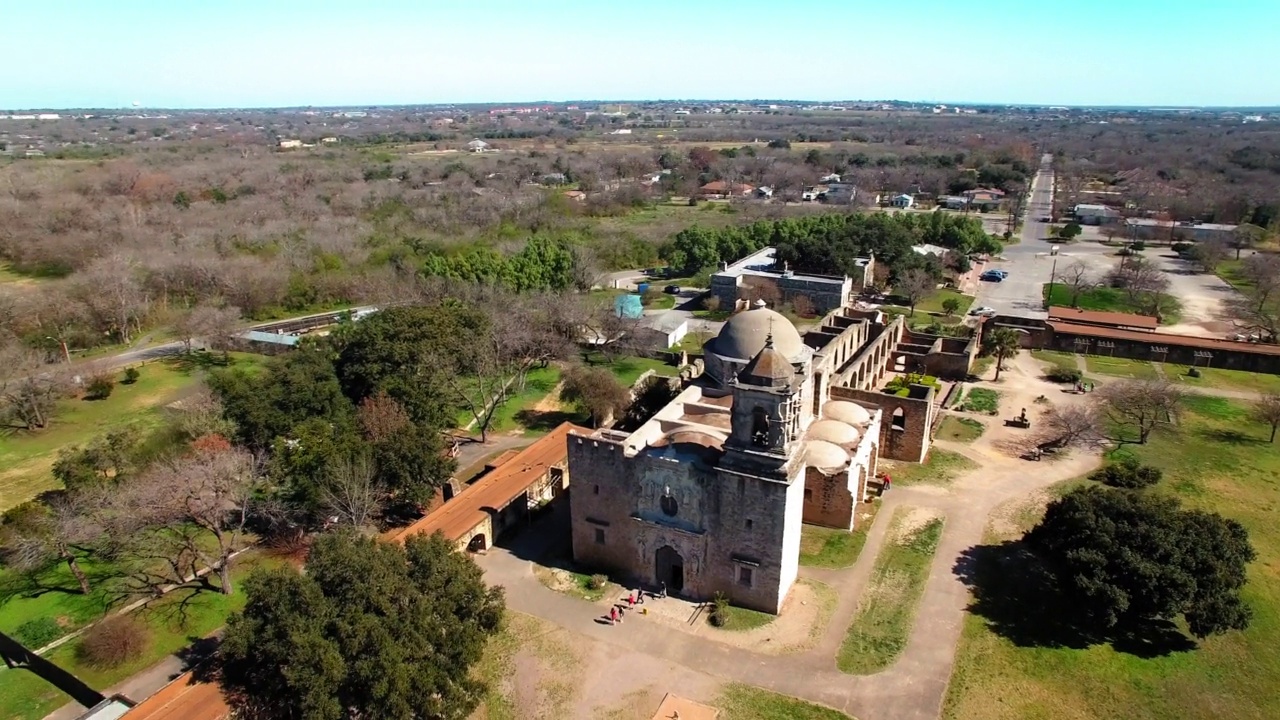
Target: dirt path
{"type": "Point", "coordinates": [914, 686]}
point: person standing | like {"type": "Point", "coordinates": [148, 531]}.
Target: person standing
{"type": "Point", "coordinates": [887, 485]}
{"type": "Point", "coordinates": [613, 615]}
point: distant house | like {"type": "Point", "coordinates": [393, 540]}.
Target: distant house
{"type": "Point", "coordinates": [1093, 214]}
{"type": "Point", "coordinates": [1151, 229]}
{"type": "Point", "coordinates": [554, 179]}
{"type": "Point", "coordinates": [621, 131]}
{"type": "Point", "coordinates": [903, 201]}
{"type": "Point", "coordinates": [329, 140]}
{"type": "Point", "coordinates": [290, 144]}
{"type": "Point", "coordinates": [722, 189]}
{"type": "Point", "coordinates": [575, 195]}
{"type": "Point", "coordinates": [764, 192]}
{"type": "Point", "coordinates": [954, 202]}
{"type": "Point", "coordinates": [983, 195]}
{"type": "Point", "coordinates": [477, 146]}
{"type": "Point", "coordinates": [814, 193]}
{"type": "Point", "coordinates": [831, 178]}
{"type": "Point", "coordinates": [839, 193]}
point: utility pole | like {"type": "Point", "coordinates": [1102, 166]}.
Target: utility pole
{"type": "Point", "coordinates": [1053, 273]}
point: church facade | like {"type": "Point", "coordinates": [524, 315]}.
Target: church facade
{"type": "Point", "coordinates": [709, 495]}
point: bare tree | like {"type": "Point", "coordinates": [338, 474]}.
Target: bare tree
{"type": "Point", "coordinates": [1077, 279]}
{"type": "Point", "coordinates": [182, 516]}
{"type": "Point", "coordinates": [597, 391]}
{"type": "Point", "coordinates": [215, 325]}
{"type": "Point", "coordinates": [29, 389]}
{"type": "Point", "coordinates": [1207, 256]}
{"type": "Point", "coordinates": [1140, 405]}
{"type": "Point", "coordinates": [110, 288]}
{"type": "Point", "coordinates": [63, 530]}
{"type": "Point", "coordinates": [1257, 308]}
{"type": "Point", "coordinates": [352, 491]}
{"type": "Point", "coordinates": [915, 286]}
{"type": "Point", "coordinates": [1267, 410]}
{"type": "Point", "coordinates": [201, 414]}
{"type": "Point", "coordinates": [1074, 425]}
{"type": "Point", "coordinates": [1144, 284]}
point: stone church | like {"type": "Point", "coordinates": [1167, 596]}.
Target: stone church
{"type": "Point", "coordinates": [709, 495]}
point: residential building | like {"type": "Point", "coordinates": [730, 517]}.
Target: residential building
{"type": "Point", "coordinates": [903, 201]}
{"type": "Point", "coordinates": [717, 189]}
{"type": "Point", "coordinates": [1087, 214]}
{"type": "Point", "coordinates": [290, 144]}
{"type": "Point", "coordinates": [477, 146]}
{"type": "Point", "coordinates": [746, 277]}
{"type": "Point", "coordinates": [1152, 229]}
{"type": "Point", "coordinates": [839, 193]}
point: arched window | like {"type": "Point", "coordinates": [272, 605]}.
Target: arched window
{"type": "Point", "coordinates": [899, 419]}
{"type": "Point", "coordinates": [759, 427]}
{"type": "Point", "coordinates": [668, 503]}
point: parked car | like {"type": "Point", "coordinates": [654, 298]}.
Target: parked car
{"type": "Point", "coordinates": [993, 276]}
{"type": "Point", "coordinates": [983, 312]}
{"type": "Point", "coordinates": [671, 289]}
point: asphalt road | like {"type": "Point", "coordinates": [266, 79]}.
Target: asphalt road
{"type": "Point", "coordinates": [1028, 262]}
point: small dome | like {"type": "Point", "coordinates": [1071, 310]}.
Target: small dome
{"type": "Point", "coordinates": [824, 455]}
{"type": "Point", "coordinates": [847, 412]}
{"type": "Point", "coordinates": [691, 435]}
{"type": "Point", "coordinates": [835, 432]}
{"type": "Point", "coordinates": [744, 335]}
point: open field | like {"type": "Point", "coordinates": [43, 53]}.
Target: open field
{"type": "Point", "coordinates": [888, 603]}
{"type": "Point", "coordinates": [1108, 299]}
{"type": "Point", "coordinates": [960, 429]}
{"type": "Point", "coordinates": [175, 621]}
{"type": "Point", "coordinates": [1216, 459]}
{"type": "Point", "coordinates": [1120, 367]}
{"type": "Point", "coordinates": [832, 548]}
{"type": "Point", "coordinates": [26, 457]}
{"type": "Point", "coordinates": [940, 468]}
{"type": "Point", "coordinates": [1224, 379]}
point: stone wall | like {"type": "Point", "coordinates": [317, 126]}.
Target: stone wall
{"type": "Point", "coordinates": [907, 425]}
{"type": "Point", "coordinates": [827, 499]}
{"type": "Point", "coordinates": [725, 527]}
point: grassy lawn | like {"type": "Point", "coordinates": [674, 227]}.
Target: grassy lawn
{"type": "Point", "coordinates": [933, 303]}
{"type": "Point", "coordinates": [1229, 270]}
{"type": "Point", "coordinates": [1215, 459]}
{"type": "Point", "coordinates": [517, 411]}
{"type": "Point", "coordinates": [692, 342]}
{"type": "Point", "coordinates": [556, 668]}
{"type": "Point", "coordinates": [960, 429]}
{"type": "Point", "coordinates": [887, 608]}
{"type": "Point", "coordinates": [1120, 367]}
{"type": "Point", "coordinates": [744, 702]}
{"type": "Point", "coordinates": [833, 548]}
{"type": "Point", "coordinates": [742, 619]}
{"type": "Point", "coordinates": [981, 400]}
{"type": "Point", "coordinates": [663, 302]}
{"type": "Point", "coordinates": [571, 582]}
{"type": "Point", "coordinates": [1066, 361]}
{"type": "Point", "coordinates": [173, 623]}
{"type": "Point", "coordinates": [1109, 299]}
{"type": "Point", "coordinates": [26, 457]}
{"type": "Point", "coordinates": [940, 468]}
{"type": "Point", "coordinates": [712, 315]}
{"type": "Point", "coordinates": [628, 369]}
{"type": "Point", "coordinates": [1224, 379]}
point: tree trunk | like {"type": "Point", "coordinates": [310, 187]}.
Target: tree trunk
{"type": "Point", "coordinates": [224, 577]}
{"type": "Point", "coordinates": [1273, 432]}
{"type": "Point", "coordinates": [999, 364]}
{"type": "Point", "coordinates": [75, 570]}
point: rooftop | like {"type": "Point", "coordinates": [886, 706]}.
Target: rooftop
{"type": "Point", "coordinates": [183, 699]}
{"type": "Point", "coordinates": [495, 489]}
{"type": "Point", "coordinates": [674, 706]}
{"type": "Point", "coordinates": [1158, 338]}
{"type": "Point", "coordinates": [763, 263]}
{"type": "Point", "coordinates": [1097, 317]}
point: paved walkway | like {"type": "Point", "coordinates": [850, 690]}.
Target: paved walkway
{"type": "Point", "coordinates": [914, 686]}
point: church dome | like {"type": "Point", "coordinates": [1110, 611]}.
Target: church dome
{"type": "Point", "coordinates": [835, 432]}
{"type": "Point", "coordinates": [824, 455]}
{"type": "Point", "coordinates": [846, 412]}
{"type": "Point", "coordinates": [744, 335]}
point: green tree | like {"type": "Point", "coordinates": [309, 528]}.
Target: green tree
{"type": "Point", "coordinates": [372, 630]}
{"type": "Point", "coordinates": [950, 306]}
{"type": "Point", "coordinates": [1127, 557]}
{"type": "Point", "coordinates": [292, 388]}
{"type": "Point", "coordinates": [596, 391]}
{"type": "Point", "coordinates": [1001, 343]}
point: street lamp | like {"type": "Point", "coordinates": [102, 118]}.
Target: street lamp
{"type": "Point", "coordinates": [1053, 273]}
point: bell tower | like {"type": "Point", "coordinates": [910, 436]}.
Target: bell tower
{"type": "Point", "coordinates": [766, 416]}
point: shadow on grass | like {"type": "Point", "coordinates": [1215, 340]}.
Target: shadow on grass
{"type": "Point", "coordinates": [539, 421]}
{"type": "Point", "coordinates": [1231, 437]}
{"type": "Point", "coordinates": [198, 360]}
{"type": "Point", "coordinates": [1020, 600]}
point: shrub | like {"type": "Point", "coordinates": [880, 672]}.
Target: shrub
{"type": "Point", "coordinates": [720, 610]}
{"type": "Point", "coordinates": [1062, 374]}
{"type": "Point", "coordinates": [35, 634]}
{"type": "Point", "coordinates": [131, 375]}
{"type": "Point", "coordinates": [114, 641]}
{"type": "Point", "coordinates": [1127, 473]}
{"type": "Point", "coordinates": [1193, 372]}
{"type": "Point", "coordinates": [99, 387]}
{"type": "Point", "coordinates": [597, 582]}
{"type": "Point", "coordinates": [1181, 247]}
{"type": "Point", "coordinates": [1138, 246]}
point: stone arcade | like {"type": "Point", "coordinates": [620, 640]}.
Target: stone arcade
{"type": "Point", "coordinates": [709, 495]}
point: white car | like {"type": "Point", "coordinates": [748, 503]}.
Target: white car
{"type": "Point", "coordinates": [983, 312]}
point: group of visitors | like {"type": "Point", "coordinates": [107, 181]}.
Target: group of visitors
{"type": "Point", "coordinates": [636, 597]}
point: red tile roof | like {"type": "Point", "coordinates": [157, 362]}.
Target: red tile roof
{"type": "Point", "coordinates": [183, 699]}
{"type": "Point", "coordinates": [1163, 339]}
{"type": "Point", "coordinates": [1097, 317]}
{"type": "Point", "coordinates": [496, 489]}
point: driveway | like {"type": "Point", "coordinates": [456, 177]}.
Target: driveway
{"type": "Point", "coordinates": [1203, 296]}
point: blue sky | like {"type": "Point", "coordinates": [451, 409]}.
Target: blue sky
{"type": "Point", "coordinates": [220, 53]}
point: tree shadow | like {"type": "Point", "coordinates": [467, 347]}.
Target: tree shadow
{"type": "Point", "coordinates": [197, 360]}
{"type": "Point", "coordinates": [1020, 600]}
{"type": "Point", "coordinates": [546, 421]}
{"type": "Point", "coordinates": [1231, 437]}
